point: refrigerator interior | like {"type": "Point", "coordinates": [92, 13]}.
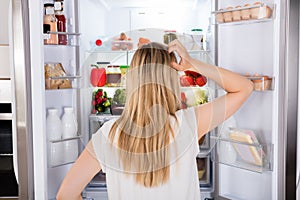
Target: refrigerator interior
{"type": "Point", "coordinates": [244, 48]}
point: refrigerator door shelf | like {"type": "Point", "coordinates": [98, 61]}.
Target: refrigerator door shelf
{"type": "Point", "coordinates": [243, 154]}
{"type": "Point", "coordinates": [234, 16]}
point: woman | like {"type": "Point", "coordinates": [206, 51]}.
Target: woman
{"type": "Point", "coordinates": [149, 151]}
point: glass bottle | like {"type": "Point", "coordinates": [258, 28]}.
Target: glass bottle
{"type": "Point", "coordinates": [50, 20]}
{"type": "Point", "coordinates": [113, 76]}
{"type": "Point", "coordinates": [69, 123]}
{"type": "Point", "coordinates": [61, 21]}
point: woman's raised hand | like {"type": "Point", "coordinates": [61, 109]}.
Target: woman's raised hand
{"type": "Point", "coordinates": [185, 58]}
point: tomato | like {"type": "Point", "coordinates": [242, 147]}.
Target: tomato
{"type": "Point", "coordinates": [98, 77]}
{"type": "Point", "coordinates": [186, 80]}
{"type": "Point", "coordinates": [201, 80]}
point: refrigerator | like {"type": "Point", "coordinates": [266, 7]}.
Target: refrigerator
{"type": "Point", "coordinates": [256, 48]}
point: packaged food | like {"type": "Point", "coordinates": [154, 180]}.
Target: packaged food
{"type": "Point", "coordinates": [122, 43]}
{"type": "Point", "coordinates": [228, 15]}
{"type": "Point", "coordinates": [261, 11]}
{"type": "Point", "coordinates": [219, 16]}
{"type": "Point", "coordinates": [245, 13]}
{"type": "Point", "coordinates": [236, 14]}
{"type": "Point", "coordinates": [54, 76]}
{"type": "Point", "coordinates": [262, 83]}
{"type": "Point", "coordinates": [169, 36]}
{"type": "Point", "coordinates": [113, 76]}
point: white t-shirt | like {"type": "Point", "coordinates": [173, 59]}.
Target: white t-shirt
{"type": "Point", "coordinates": [183, 183]}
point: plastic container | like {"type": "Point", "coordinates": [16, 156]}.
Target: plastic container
{"type": "Point", "coordinates": [197, 36]}
{"type": "Point", "coordinates": [69, 123]}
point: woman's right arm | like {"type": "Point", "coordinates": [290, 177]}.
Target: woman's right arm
{"type": "Point", "coordinates": [238, 89]}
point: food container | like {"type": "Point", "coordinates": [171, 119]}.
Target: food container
{"type": "Point", "coordinates": [236, 14]}
{"type": "Point", "coordinates": [123, 69]}
{"type": "Point", "coordinates": [228, 15]}
{"type": "Point", "coordinates": [122, 45]}
{"type": "Point", "coordinates": [113, 76]}
{"type": "Point", "coordinates": [261, 11]}
{"type": "Point", "coordinates": [197, 36]}
{"type": "Point", "coordinates": [261, 83]}
{"type": "Point", "coordinates": [219, 16]}
{"type": "Point", "coordinates": [169, 36]}
{"type": "Point", "coordinates": [55, 76]}
{"type": "Point", "coordinates": [245, 13]}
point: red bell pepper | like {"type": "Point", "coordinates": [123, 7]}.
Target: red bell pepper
{"type": "Point", "coordinates": [98, 76]}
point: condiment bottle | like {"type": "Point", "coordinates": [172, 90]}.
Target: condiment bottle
{"type": "Point", "coordinates": [50, 19]}
{"type": "Point", "coordinates": [123, 69]}
{"type": "Point", "coordinates": [113, 76]}
{"type": "Point", "coordinates": [61, 21]}
{"type": "Point", "coordinates": [69, 123]}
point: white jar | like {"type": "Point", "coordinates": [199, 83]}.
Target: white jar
{"type": "Point", "coordinates": [53, 125]}
{"type": "Point", "coordinates": [69, 123]}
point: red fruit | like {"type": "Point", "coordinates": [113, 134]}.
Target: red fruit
{"type": "Point", "coordinates": [201, 80]}
{"type": "Point", "coordinates": [192, 73]}
{"type": "Point", "coordinates": [186, 81]}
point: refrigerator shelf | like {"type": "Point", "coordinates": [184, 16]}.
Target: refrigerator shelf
{"type": "Point", "coordinates": [242, 152]}
{"type": "Point", "coordinates": [241, 15]}
{"type": "Point", "coordinates": [66, 139]}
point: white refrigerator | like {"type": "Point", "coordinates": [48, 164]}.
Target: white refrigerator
{"type": "Point", "coordinates": [255, 48]}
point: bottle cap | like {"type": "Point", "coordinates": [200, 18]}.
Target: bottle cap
{"type": "Point", "coordinates": [52, 110]}
{"type": "Point", "coordinates": [68, 109]}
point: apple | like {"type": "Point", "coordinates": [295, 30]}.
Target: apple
{"type": "Point", "coordinates": [186, 81]}
{"type": "Point", "coordinates": [201, 80]}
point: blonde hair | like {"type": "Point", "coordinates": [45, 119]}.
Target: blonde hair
{"type": "Point", "coordinates": [144, 129]}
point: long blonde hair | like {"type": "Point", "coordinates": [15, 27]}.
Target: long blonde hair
{"type": "Point", "coordinates": [143, 130]}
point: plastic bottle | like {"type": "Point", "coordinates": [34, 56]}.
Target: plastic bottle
{"type": "Point", "coordinates": [53, 125]}
{"type": "Point", "coordinates": [69, 123]}
{"type": "Point", "coordinates": [54, 132]}
{"type": "Point", "coordinates": [50, 22]}
{"type": "Point", "coordinates": [61, 21]}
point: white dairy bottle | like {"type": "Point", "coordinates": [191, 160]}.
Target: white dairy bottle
{"type": "Point", "coordinates": [69, 124]}
{"type": "Point", "coordinates": [54, 132]}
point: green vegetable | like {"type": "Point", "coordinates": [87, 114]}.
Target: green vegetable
{"type": "Point", "coordinates": [119, 97]}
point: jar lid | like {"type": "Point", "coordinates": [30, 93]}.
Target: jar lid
{"type": "Point", "coordinates": [124, 66]}
{"type": "Point", "coordinates": [197, 29]}
{"type": "Point", "coordinates": [103, 63]}
{"type": "Point", "coordinates": [49, 5]}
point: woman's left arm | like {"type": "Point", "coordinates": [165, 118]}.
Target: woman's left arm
{"type": "Point", "coordinates": [80, 174]}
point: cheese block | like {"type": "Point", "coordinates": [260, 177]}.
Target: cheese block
{"type": "Point", "coordinates": [248, 153]}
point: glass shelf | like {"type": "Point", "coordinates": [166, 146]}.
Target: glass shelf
{"type": "Point", "coordinates": [240, 150]}
{"type": "Point", "coordinates": [65, 139]}
{"type": "Point", "coordinates": [62, 82]}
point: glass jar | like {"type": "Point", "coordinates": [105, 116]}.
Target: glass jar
{"type": "Point", "coordinates": [61, 21]}
{"type": "Point", "coordinates": [50, 23]}
{"type": "Point", "coordinates": [123, 69]}
{"type": "Point", "coordinates": [113, 76]}
{"type": "Point", "coordinates": [169, 36]}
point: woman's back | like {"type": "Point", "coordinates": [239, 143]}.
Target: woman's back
{"type": "Point", "coordinates": [182, 183]}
